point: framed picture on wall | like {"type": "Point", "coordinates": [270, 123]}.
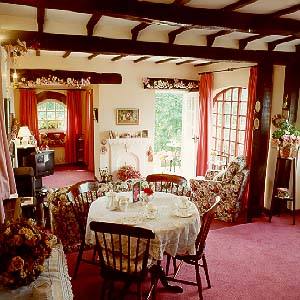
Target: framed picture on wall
{"type": "Point", "coordinates": [127, 116]}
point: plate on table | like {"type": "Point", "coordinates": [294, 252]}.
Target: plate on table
{"type": "Point", "coordinates": [131, 220]}
{"type": "Point", "coordinates": [180, 214]}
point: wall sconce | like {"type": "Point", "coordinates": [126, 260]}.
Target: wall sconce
{"type": "Point", "coordinates": [95, 114]}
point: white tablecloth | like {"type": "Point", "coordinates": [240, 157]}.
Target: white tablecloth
{"type": "Point", "coordinates": [173, 234]}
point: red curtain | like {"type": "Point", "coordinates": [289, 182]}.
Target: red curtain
{"type": "Point", "coordinates": [89, 131]}
{"type": "Point", "coordinates": [28, 111]}
{"type": "Point", "coordinates": [205, 110]}
{"type": "Point", "coordinates": [74, 124]}
{"type": "Point", "coordinates": [250, 114]}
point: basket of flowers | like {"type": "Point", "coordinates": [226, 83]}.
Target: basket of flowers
{"type": "Point", "coordinates": [23, 250]}
{"type": "Point", "coordinates": [128, 172]}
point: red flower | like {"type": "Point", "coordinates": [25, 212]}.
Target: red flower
{"type": "Point", "coordinates": [148, 191]}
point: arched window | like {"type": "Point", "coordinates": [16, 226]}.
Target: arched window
{"type": "Point", "coordinates": [229, 122]}
{"type": "Point", "coordinates": [51, 115]}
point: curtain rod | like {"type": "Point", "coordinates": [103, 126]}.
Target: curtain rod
{"type": "Point", "coordinates": [226, 70]}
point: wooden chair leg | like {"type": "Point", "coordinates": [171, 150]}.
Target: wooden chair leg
{"type": "Point", "coordinates": [168, 264]}
{"type": "Point", "coordinates": [79, 257]}
{"type": "Point", "coordinates": [206, 271]}
{"type": "Point", "coordinates": [198, 278]}
{"type": "Point", "coordinates": [174, 265]}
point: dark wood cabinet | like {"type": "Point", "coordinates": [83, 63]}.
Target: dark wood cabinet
{"type": "Point", "coordinates": [80, 149]}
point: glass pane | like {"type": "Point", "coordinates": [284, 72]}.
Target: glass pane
{"type": "Point", "coordinates": [242, 122]}
{"type": "Point", "coordinates": [214, 120]}
{"type": "Point", "coordinates": [61, 125]}
{"type": "Point", "coordinates": [233, 135]}
{"type": "Point", "coordinates": [220, 119]}
{"type": "Point", "coordinates": [227, 108]}
{"type": "Point", "coordinates": [228, 95]}
{"type": "Point", "coordinates": [218, 146]}
{"type": "Point", "coordinates": [235, 94]}
{"type": "Point", "coordinates": [232, 148]}
{"type": "Point", "coordinates": [243, 108]}
{"type": "Point", "coordinates": [51, 115]}
{"type": "Point", "coordinates": [41, 106]}
{"type": "Point", "coordinates": [244, 96]}
{"type": "Point", "coordinates": [227, 121]}
{"type": "Point", "coordinates": [226, 134]}
{"type": "Point", "coordinates": [52, 124]}
{"type": "Point", "coordinates": [42, 124]}
{"type": "Point", "coordinates": [242, 137]}
{"type": "Point", "coordinates": [219, 134]}
{"type": "Point", "coordinates": [59, 106]}
{"type": "Point", "coordinates": [226, 147]}
{"type": "Point", "coordinates": [60, 115]}
{"type": "Point", "coordinates": [41, 115]}
{"type": "Point", "coordinates": [50, 105]}
{"type": "Point", "coordinates": [233, 121]}
{"type": "Point", "coordinates": [240, 149]}
{"type": "Point", "coordinates": [234, 108]}
{"type": "Point", "coordinates": [220, 105]}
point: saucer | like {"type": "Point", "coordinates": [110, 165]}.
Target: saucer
{"type": "Point", "coordinates": [179, 214]}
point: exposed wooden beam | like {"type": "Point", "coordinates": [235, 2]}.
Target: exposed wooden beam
{"type": "Point", "coordinates": [238, 4]}
{"type": "Point", "coordinates": [273, 45]}
{"type": "Point", "coordinates": [188, 61]}
{"type": "Point", "coordinates": [165, 60]}
{"type": "Point", "coordinates": [244, 42]}
{"type": "Point", "coordinates": [211, 37]}
{"type": "Point", "coordinates": [95, 78]}
{"type": "Point", "coordinates": [137, 29]}
{"type": "Point", "coordinates": [172, 34]}
{"type": "Point", "coordinates": [41, 17]}
{"type": "Point", "coordinates": [95, 44]}
{"type": "Point", "coordinates": [285, 11]}
{"type": "Point", "coordinates": [176, 15]}
{"type": "Point", "coordinates": [141, 59]}
{"type": "Point", "coordinates": [181, 2]}
{"type": "Point", "coordinates": [92, 23]}
{"type": "Point", "coordinates": [204, 64]}
{"type": "Point", "coordinates": [37, 52]}
{"type": "Point", "coordinates": [93, 55]}
{"type": "Point", "coordinates": [66, 54]}
{"type": "Point", "coordinates": [118, 57]}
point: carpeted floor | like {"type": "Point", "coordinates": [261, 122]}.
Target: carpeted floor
{"type": "Point", "coordinates": [65, 175]}
{"type": "Point", "coordinates": [251, 261]}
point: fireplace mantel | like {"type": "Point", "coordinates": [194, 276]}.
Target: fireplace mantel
{"type": "Point", "coordinates": [121, 141]}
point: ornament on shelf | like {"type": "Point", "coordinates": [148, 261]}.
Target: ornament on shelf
{"type": "Point", "coordinates": [149, 153]}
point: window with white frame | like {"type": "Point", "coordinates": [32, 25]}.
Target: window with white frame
{"type": "Point", "coordinates": [51, 115]}
{"type": "Point", "coordinates": [229, 122]}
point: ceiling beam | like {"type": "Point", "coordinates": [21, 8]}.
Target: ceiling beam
{"type": "Point", "coordinates": [118, 57]}
{"type": "Point", "coordinates": [273, 45]}
{"type": "Point", "coordinates": [210, 39]}
{"type": "Point", "coordinates": [175, 15]}
{"type": "Point", "coordinates": [238, 4]}
{"type": "Point", "coordinates": [141, 59]}
{"type": "Point", "coordinates": [204, 64]}
{"type": "Point", "coordinates": [181, 2]}
{"type": "Point", "coordinates": [95, 78]}
{"type": "Point", "coordinates": [165, 60]}
{"type": "Point", "coordinates": [92, 23]}
{"type": "Point", "coordinates": [244, 42]}
{"type": "Point", "coordinates": [188, 61]}
{"type": "Point", "coordinates": [93, 55]}
{"type": "Point", "coordinates": [137, 29]}
{"type": "Point", "coordinates": [66, 54]}
{"type": "Point", "coordinates": [285, 11]}
{"type": "Point", "coordinates": [95, 44]}
{"type": "Point", "coordinates": [172, 34]}
{"type": "Point", "coordinates": [41, 17]}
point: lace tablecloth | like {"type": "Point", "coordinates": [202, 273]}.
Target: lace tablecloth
{"type": "Point", "coordinates": [173, 234]}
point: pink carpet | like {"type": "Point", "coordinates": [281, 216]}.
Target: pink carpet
{"type": "Point", "coordinates": [258, 260]}
{"type": "Point", "coordinates": [67, 175]}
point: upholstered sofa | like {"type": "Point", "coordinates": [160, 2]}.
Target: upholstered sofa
{"type": "Point", "coordinates": [229, 184]}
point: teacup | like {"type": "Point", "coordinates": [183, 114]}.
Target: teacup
{"type": "Point", "coordinates": [151, 211]}
{"type": "Point", "coordinates": [123, 203]}
{"type": "Point", "coordinates": [184, 203]}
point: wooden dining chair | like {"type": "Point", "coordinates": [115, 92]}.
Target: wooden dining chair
{"type": "Point", "coordinates": [124, 256]}
{"type": "Point", "coordinates": [167, 183]}
{"type": "Point", "coordinates": [196, 259]}
{"type": "Point", "coordinates": [81, 195]}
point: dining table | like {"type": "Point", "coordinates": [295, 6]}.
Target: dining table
{"type": "Point", "coordinates": [175, 231]}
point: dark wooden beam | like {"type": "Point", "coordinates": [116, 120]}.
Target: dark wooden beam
{"type": "Point", "coordinates": [238, 4]}
{"type": "Point", "coordinates": [175, 15]}
{"type": "Point", "coordinates": [92, 23]}
{"type": "Point", "coordinates": [285, 11]}
{"type": "Point", "coordinates": [95, 78]}
{"type": "Point", "coordinates": [188, 61]}
{"type": "Point", "coordinates": [272, 45]}
{"type": "Point", "coordinates": [141, 59]}
{"type": "Point", "coordinates": [165, 60]}
{"type": "Point", "coordinates": [260, 144]}
{"type": "Point", "coordinates": [172, 34]}
{"type": "Point", "coordinates": [93, 55]}
{"type": "Point", "coordinates": [204, 64]}
{"type": "Point", "coordinates": [181, 2]}
{"type": "Point", "coordinates": [118, 57]}
{"type": "Point", "coordinates": [66, 54]}
{"type": "Point", "coordinates": [211, 37]}
{"type": "Point", "coordinates": [244, 42]}
{"type": "Point", "coordinates": [94, 44]}
{"type": "Point", "coordinates": [41, 17]}
{"type": "Point", "coordinates": [37, 52]}
{"type": "Point", "coordinates": [137, 29]}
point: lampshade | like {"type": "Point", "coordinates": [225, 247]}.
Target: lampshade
{"type": "Point", "coordinates": [24, 132]}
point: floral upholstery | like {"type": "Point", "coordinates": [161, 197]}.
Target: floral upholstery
{"type": "Point", "coordinates": [229, 184]}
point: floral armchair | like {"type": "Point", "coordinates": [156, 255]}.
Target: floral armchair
{"type": "Point", "coordinates": [229, 184]}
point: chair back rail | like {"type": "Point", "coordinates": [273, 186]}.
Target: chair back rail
{"type": "Point", "coordinates": [122, 248]}
{"type": "Point", "coordinates": [206, 220]}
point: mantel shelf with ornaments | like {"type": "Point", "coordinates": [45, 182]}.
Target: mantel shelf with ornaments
{"type": "Point", "coordinates": [127, 141]}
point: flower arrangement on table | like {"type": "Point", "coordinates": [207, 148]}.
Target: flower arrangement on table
{"type": "Point", "coordinates": [128, 172]}
{"type": "Point", "coordinates": [23, 250]}
{"type": "Point", "coordinates": [287, 138]}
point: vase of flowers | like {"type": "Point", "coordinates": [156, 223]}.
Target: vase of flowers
{"type": "Point", "coordinates": [287, 138]}
{"type": "Point", "coordinates": [147, 194]}
{"type": "Point", "coordinates": [23, 250]}
{"type": "Point", "coordinates": [128, 172]}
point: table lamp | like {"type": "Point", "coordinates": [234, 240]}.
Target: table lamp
{"type": "Point", "coordinates": [24, 134]}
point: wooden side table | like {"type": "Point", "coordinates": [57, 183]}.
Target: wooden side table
{"type": "Point", "coordinates": [284, 166]}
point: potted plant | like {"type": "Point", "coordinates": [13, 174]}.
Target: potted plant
{"type": "Point", "coordinates": [287, 137]}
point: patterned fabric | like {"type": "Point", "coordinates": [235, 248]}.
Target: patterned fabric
{"type": "Point", "coordinates": [229, 184]}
